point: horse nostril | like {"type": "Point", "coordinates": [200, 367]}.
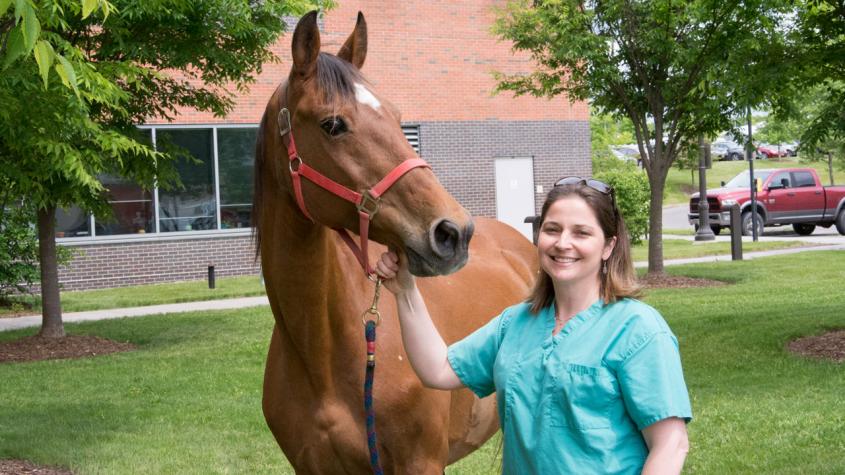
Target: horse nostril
{"type": "Point", "coordinates": [445, 239]}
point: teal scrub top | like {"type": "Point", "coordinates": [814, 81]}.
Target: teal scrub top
{"type": "Point", "coordinates": [576, 402]}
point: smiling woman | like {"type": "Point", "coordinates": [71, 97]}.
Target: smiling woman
{"type": "Point", "coordinates": [599, 371]}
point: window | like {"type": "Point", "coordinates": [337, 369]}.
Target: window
{"type": "Point", "coordinates": [193, 206]}
{"type": "Point", "coordinates": [72, 222]}
{"type": "Point", "coordinates": [802, 179]}
{"type": "Point", "coordinates": [235, 158]}
{"type": "Point", "coordinates": [132, 208]}
{"type": "Point", "coordinates": [781, 179]}
{"type": "Point", "coordinates": [216, 167]}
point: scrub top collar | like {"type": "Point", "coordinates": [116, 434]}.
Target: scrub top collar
{"type": "Point", "coordinates": [583, 316]}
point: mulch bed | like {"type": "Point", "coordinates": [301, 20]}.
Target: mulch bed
{"type": "Point", "coordinates": [667, 281]}
{"type": "Point", "coordinates": [36, 348]}
{"type": "Point", "coordinates": [16, 467]}
{"type": "Point", "coordinates": [830, 346]}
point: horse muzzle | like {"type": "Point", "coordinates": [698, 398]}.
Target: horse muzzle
{"type": "Point", "coordinates": [444, 251]}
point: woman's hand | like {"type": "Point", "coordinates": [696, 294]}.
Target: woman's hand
{"type": "Point", "coordinates": [394, 273]}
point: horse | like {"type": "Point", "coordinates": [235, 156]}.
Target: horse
{"type": "Point", "coordinates": [468, 271]}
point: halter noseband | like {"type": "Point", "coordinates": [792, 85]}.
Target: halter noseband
{"type": "Point", "coordinates": [367, 202]}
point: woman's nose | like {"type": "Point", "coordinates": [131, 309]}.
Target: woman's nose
{"type": "Point", "coordinates": [564, 241]}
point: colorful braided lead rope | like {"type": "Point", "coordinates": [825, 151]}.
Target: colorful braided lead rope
{"type": "Point", "coordinates": [370, 334]}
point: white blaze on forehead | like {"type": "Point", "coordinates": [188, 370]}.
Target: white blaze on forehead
{"type": "Point", "coordinates": [364, 96]}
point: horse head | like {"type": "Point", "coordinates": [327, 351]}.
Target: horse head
{"type": "Point", "coordinates": [350, 134]}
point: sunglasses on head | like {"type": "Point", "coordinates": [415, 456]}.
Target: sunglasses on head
{"type": "Point", "coordinates": [599, 186]}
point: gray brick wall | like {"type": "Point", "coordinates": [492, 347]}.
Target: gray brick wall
{"type": "Point", "coordinates": [105, 264]}
{"type": "Point", "coordinates": [463, 155]}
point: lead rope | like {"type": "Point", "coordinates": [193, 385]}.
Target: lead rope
{"type": "Point", "coordinates": [371, 318]}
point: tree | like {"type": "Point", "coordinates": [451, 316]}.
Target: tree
{"type": "Point", "coordinates": [78, 75]}
{"type": "Point", "coordinates": [821, 47]}
{"type": "Point", "coordinates": [676, 69]}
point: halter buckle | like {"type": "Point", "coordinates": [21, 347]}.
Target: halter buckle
{"type": "Point", "coordinates": [368, 204]}
{"type": "Point", "coordinates": [284, 114]}
{"type": "Point", "coordinates": [295, 160]}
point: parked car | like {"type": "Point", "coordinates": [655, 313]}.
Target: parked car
{"type": "Point", "coordinates": [629, 153]}
{"type": "Point", "coordinates": [786, 196]}
{"type": "Point", "coordinates": [729, 150]}
{"type": "Point", "coordinates": [772, 151]}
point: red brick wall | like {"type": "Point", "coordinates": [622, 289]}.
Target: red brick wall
{"type": "Point", "coordinates": [432, 59]}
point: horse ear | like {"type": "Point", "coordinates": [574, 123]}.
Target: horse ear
{"type": "Point", "coordinates": [355, 48]}
{"type": "Point", "coordinates": [306, 45]}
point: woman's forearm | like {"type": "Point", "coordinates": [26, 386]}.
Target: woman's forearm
{"type": "Point", "coordinates": [667, 458]}
{"type": "Point", "coordinates": [423, 343]}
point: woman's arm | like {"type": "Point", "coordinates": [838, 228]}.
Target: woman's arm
{"type": "Point", "coordinates": [667, 446]}
{"type": "Point", "coordinates": [423, 343]}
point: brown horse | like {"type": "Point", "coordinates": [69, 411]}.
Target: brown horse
{"type": "Point", "coordinates": [313, 382]}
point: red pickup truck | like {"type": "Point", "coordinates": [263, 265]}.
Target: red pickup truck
{"type": "Point", "coordinates": [785, 196]}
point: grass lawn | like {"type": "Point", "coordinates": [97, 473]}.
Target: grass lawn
{"type": "Point", "coordinates": [681, 248]}
{"type": "Point", "coordinates": [189, 399]}
{"type": "Point", "coordinates": [141, 295]}
{"type": "Point", "coordinates": [680, 184]}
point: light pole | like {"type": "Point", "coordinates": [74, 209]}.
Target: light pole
{"type": "Point", "coordinates": [749, 152]}
{"type": "Point", "coordinates": [704, 232]}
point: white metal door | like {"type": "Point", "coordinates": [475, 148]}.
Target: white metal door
{"type": "Point", "coordinates": [515, 192]}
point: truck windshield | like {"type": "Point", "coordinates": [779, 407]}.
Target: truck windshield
{"type": "Point", "coordinates": [742, 180]}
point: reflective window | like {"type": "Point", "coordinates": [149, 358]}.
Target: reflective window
{"type": "Point", "coordinates": [132, 208]}
{"type": "Point", "coordinates": [72, 222]}
{"type": "Point", "coordinates": [235, 157]}
{"type": "Point", "coordinates": [803, 179]}
{"type": "Point", "coordinates": [190, 207]}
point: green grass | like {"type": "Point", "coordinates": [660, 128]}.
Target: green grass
{"type": "Point", "coordinates": [156, 294]}
{"type": "Point", "coordinates": [681, 248]}
{"type": "Point", "coordinates": [680, 184]}
{"type": "Point", "coordinates": [189, 399]}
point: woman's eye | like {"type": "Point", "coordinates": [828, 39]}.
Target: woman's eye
{"type": "Point", "coordinates": [333, 126]}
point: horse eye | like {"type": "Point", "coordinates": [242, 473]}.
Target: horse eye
{"type": "Point", "coordinates": [333, 126]}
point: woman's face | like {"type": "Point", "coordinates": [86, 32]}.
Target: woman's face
{"type": "Point", "coordinates": [571, 242]}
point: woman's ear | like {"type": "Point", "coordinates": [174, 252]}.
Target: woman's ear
{"type": "Point", "coordinates": [608, 248]}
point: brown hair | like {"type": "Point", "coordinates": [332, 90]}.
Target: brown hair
{"type": "Point", "coordinates": [619, 281]}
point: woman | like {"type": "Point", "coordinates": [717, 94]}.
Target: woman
{"type": "Point", "coordinates": [587, 379]}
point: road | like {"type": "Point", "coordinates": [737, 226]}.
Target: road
{"type": "Point", "coordinates": [675, 217]}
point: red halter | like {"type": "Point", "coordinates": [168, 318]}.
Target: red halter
{"type": "Point", "coordinates": [366, 202]}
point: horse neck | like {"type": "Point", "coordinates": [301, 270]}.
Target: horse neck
{"type": "Point", "coordinates": [314, 288]}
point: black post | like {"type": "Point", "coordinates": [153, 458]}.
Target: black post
{"type": "Point", "coordinates": [736, 233]}
{"type": "Point", "coordinates": [211, 283]}
{"type": "Point", "coordinates": [704, 232]}
{"type": "Point", "coordinates": [535, 225]}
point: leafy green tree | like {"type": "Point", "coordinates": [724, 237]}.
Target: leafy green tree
{"type": "Point", "coordinates": [821, 48]}
{"type": "Point", "coordinates": [675, 69]}
{"type": "Point", "coordinates": [76, 76]}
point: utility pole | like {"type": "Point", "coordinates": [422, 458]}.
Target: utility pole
{"type": "Point", "coordinates": [704, 232]}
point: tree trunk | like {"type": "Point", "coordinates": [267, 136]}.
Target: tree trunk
{"type": "Point", "coordinates": [830, 167]}
{"type": "Point", "coordinates": [51, 307]}
{"type": "Point", "coordinates": [655, 222]}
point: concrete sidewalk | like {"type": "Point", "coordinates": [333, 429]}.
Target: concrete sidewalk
{"type": "Point", "coordinates": [73, 317]}
{"type": "Point", "coordinates": [226, 304]}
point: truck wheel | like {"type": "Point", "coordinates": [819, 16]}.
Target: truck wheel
{"type": "Point", "coordinates": [716, 229]}
{"type": "Point", "coordinates": [735, 156]}
{"type": "Point", "coordinates": [840, 222]}
{"type": "Point", "coordinates": [804, 229]}
{"type": "Point", "coordinates": [747, 222]}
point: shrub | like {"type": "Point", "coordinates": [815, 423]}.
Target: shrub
{"type": "Point", "coordinates": [633, 197]}
{"type": "Point", "coordinates": [18, 250]}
